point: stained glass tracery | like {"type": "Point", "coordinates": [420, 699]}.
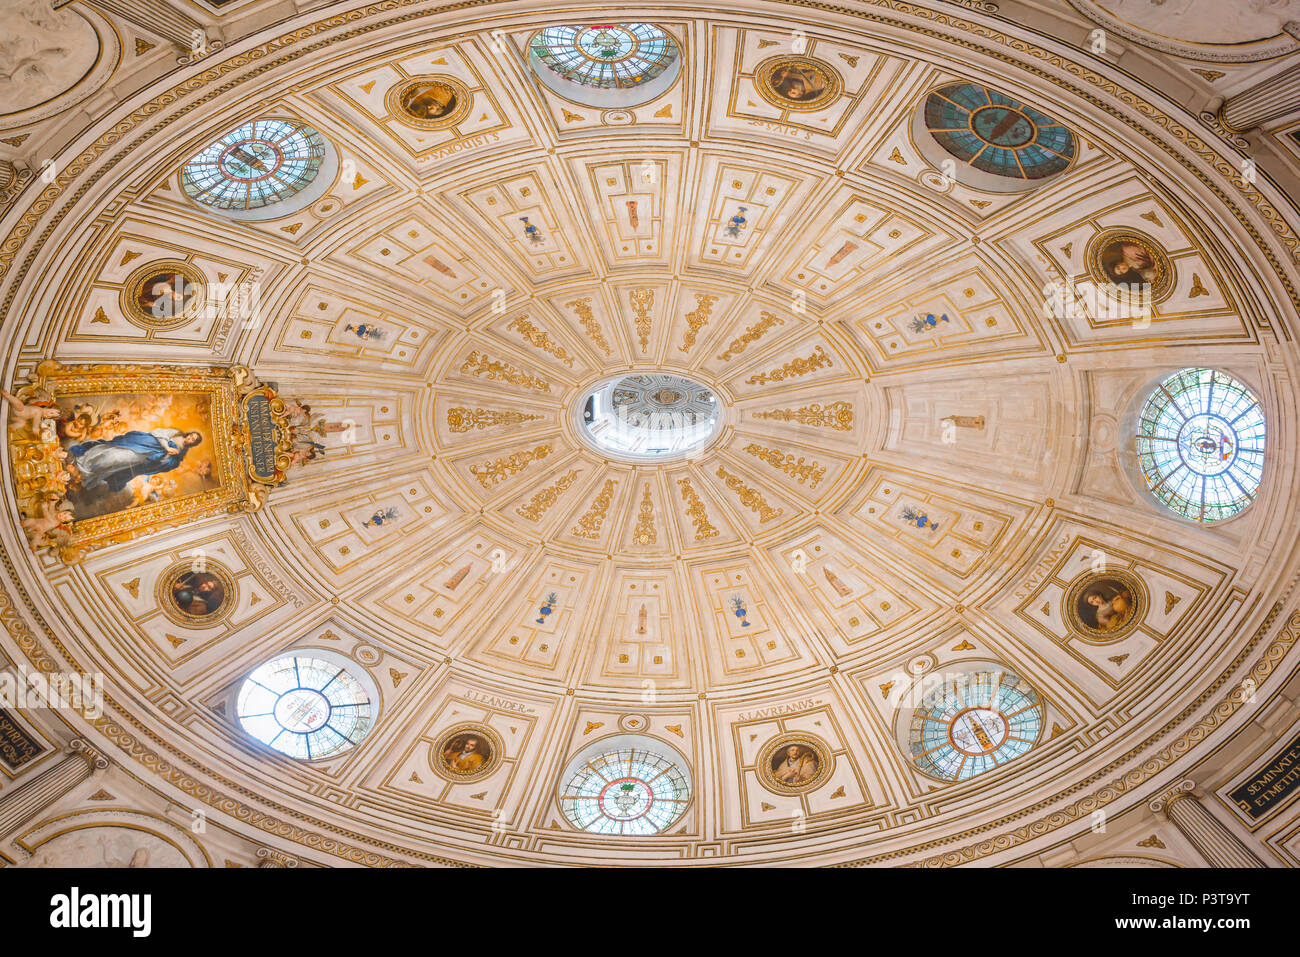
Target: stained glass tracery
{"type": "Point", "coordinates": [974, 723]}
{"type": "Point", "coordinates": [255, 165]}
{"type": "Point", "coordinates": [608, 56]}
{"type": "Point", "coordinates": [998, 134]}
{"type": "Point", "coordinates": [628, 790]}
{"type": "Point", "coordinates": [305, 707]}
{"type": "Point", "coordinates": [1200, 444]}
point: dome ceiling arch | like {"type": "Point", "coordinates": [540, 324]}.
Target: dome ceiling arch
{"type": "Point", "coordinates": [915, 463]}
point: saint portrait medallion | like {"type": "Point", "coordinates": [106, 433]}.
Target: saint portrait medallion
{"type": "Point", "coordinates": [794, 763]}
{"type": "Point", "coordinates": [163, 294]}
{"type": "Point", "coordinates": [429, 102]}
{"type": "Point", "coordinates": [196, 592]}
{"type": "Point", "coordinates": [466, 752]}
{"type": "Point", "coordinates": [1105, 606]}
{"type": "Point", "coordinates": [1128, 263]}
{"type": "Point", "coordinates": [797, 83]}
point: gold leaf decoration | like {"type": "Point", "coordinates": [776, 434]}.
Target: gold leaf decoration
{"type": "Point", "coordinates": [490, 473]}
{"type": "Point", "coordinates": [645, 524]}
{"type": "Point", "coordinates": [540, 339]}
{"type": "Point", "coordinates": [544, 499]}
{"type": "Point", "coordinates": [583, 308]}
{"type": "Point", "coordinates": [795, 367]}
{"type": "Point", "coordinates": [750, 498]}
{"type": "Point", "coordinates": [836, 415]}
{"type": "Point", "coordinates": [589, 525]}
{"type": "Point", "coordinates": [787, 464]}
{"type": "Point", "coordinates": [697, 319]}
{"type": "Point", "coordinates": [755, 332]}
{"type": "Point", "coordinates": [642, 300]}
{"type": "Point", "coordinates": [695, 509]}
{"type": "Point", "coordinates": [478, 364]}
{"type": "Point", "coordinates": [461, 419]}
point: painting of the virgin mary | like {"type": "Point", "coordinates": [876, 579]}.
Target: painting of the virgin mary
{"type": "Point", "coordinates": [113, 463]}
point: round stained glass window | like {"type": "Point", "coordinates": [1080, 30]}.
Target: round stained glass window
{"type": "Point", "coordinates": [997, 134]}
{"type": "Point", "coordinates": [255, 165]}
{"type": "Point", "coordinates": [625, 790]}
{"type": "Point", "coordinates": [650, 417]}
{"type": "Point", "coordinates": [1200, 444]}
{"type": "Point", "coordinates": [974, 723]}
{"type": "Point", "coordinates": [306, 707]}
{"type": "Point", "coordinates": [607, 56]}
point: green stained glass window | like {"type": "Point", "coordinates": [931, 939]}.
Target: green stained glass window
{"type": "Point", "coordinates": [628, 790]}
{"type": "Point", "coordinates": [606, 56]}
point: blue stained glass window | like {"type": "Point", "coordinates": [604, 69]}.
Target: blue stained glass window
{"type": "Point", "coordinates": [607, 56]}
{"type": "Point", "coordinates": [975, 723]}
{"type": "Point", "coordinates": [1200, 444]}
{"type": "Point", "coordinates": [625, 791]}
{"type": "Point", "coordinates": [305, 707]}
{"type": "Point", "coordinates": [998, 134]}
{"type": "Point", "coordinates": [254, 165]}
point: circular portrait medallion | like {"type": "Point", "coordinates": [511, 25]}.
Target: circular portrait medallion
{"type": "Point", "coordinates": [1129, 263]}
{"type": "Point", "coordinates": [794, 763]}
{"type": "Point", "coordinates": [466, 752]}
{"type": "Point", "coordinates": [196, 592]}
{"type": "Point", "coordinates": [797, 83]}
{"type": "Point", "coordinates": [429, 102]}
{"type": "Point", "coordinates": [163, 294]}
{"type": "Point", "coordinates": [1105, 606]}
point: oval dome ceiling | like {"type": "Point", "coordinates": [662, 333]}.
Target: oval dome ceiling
{"type": "Point", "coordinates": [702, 435]}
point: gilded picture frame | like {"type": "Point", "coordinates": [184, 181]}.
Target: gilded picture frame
{"type": "Point", "coordinates": [782, 772]}
{"type": "Point", "coordinates": [402, 98]}
{"type": "Point", "coordinates": [1103, 607]}
{"type": "Point", "coordinates": [196, 572]}
{"type": "Point", "coordinates": [84, 480]}
{"type": "Point", "coordinates": [776, 78]}
{"type": "Point", "coordinates": [1133, 251]}
{"type": "Point", "coordinates": [137, 289]}
{"type": "Point", "coordinates": [456, 739]}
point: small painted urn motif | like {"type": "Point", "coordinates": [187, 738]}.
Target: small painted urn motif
{"type": "Point", "coordinates": [380, 517]}
{"type": "Point", "coordinates": [532, 232]}
{"type": "Point", "coordinates": [737, 223]}
{"type": "Point", "coordinates": [625, 799]}
{"type": "Point", "coordinates": [927, 322]}
{"type": "Point", "coordinates": [919, 519]}
{"type": "Point", "coordinates": [548, 606]}
{"type": "Point", "coordinates": [740, 611]}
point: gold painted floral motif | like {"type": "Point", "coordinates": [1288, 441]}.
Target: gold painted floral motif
{"type": "Point", "coordinates": [795, 367]}
{"type": "Point", "coordinates": [589, 525]}
{"type": "Point", "coordinates": [544, 499]}
{"type": "Point", "coordinates": [645, 524]}
{"type": "Point", "coordinates": [461, 419]}
{"type": "Point", "coordinates": [787, 464]}
{"type": "Point", "coordinates": [836, 415]}
{"type": "Point", "coordinates": [583, 308]}
{"type": "Point", "coordinates": [755, 332]}
{"type": "Point", "coordinates": [478, 364]}
{"type": "Point", "coordinates": [642, 300]}
{"type": "Point", "coordinates": [695, 509]}
{"type": "Point", "coordinates": [490, 473]}
{"type": "Point", "coordinates": [540, 339]}
{"type": "Point", "coordinates": [751, 499]}
{"type": "Point", "coordinates": [697, 319]}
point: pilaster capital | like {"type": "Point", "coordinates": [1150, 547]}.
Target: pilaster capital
{"type": "Point", "coordinates": [1183, 789]}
